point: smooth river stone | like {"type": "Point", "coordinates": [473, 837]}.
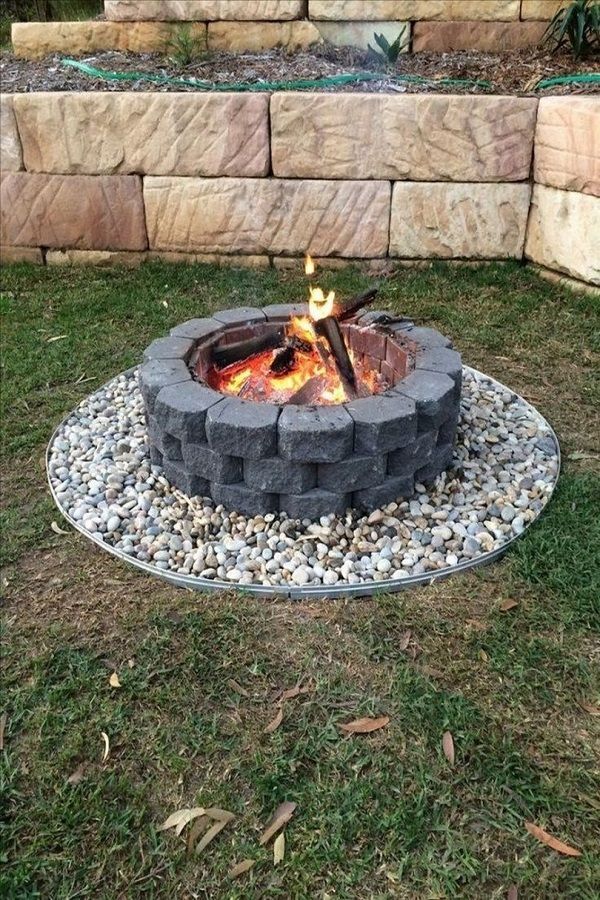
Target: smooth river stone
{"type": "Point", "coordinates": [33, 40]}
{"type": "Point", "coordinates": [204, 10]}
{"type": "Point", "coordinates": [567, 144]}
{"type": "Point", "coordinates": [373, 10]}
{"type": "Point", "coordinates": [101, 133]}
{"type": "Point", "coordinates": [268, 215]}
{"type": "Point", "coordinates": [11, 159]}
{"type": "Point", "coordinates": [445, 221]}
{"type": "Point", "coordinates": [418, 137]}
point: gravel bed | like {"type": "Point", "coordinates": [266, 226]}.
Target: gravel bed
{"type": "Point", "coordinates": [505, 466]}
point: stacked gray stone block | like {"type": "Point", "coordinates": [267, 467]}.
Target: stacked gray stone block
{"type": "Point", "coordinates": [307, 461]}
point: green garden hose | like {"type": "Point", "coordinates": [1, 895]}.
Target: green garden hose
{"type": "Point", "coordinates": [299, 84]}
{"type": "Point", "coordinates": [583, 78]}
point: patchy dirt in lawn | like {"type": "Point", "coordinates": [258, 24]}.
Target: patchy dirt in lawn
{"type": "Point", "coordinates": [514, 72]}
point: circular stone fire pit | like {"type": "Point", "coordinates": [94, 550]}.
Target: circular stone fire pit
{"type": "Point", "coordinates": [307, 460]}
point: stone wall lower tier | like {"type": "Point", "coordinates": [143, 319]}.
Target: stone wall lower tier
{"type": "Point", "coordinates": [265, 177]}
{"type": "Point", "coordinates": [256, 25]}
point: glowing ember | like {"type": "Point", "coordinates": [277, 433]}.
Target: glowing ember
{"type": "Point", "coordinates": [305, 364]}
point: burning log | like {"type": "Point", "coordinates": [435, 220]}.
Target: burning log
{"type": "Point", "coordinates": [285, 358]}
{"type": "Point", "coordinates": [329, 328]}
{"type": "Point", "coordinates": [310, 391]}
{"type": "Point", "coordinates": [232, 353]}
{"type": "Point", "coordinates": [355, 304]}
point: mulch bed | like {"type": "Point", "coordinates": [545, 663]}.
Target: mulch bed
{"type": "Point", "coordinates": [511, 73]}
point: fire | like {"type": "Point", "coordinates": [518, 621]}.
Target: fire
{"type": "Point", "coordinates": [312, 369]}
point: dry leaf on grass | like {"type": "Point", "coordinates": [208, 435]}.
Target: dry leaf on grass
{"type": "Point", "coordinates": [57, 529]}
{"type": "Point", "coordinates": [3, 720]}
{"type": "Point", "coordinates": [279, 849]}
{"type": "Point", "coordinates": [114, 680]}
{"type": "Point", "coordinates": [58, 337]}
{"type": "Point", "coordinates": [241, 868]}
{"type": "Point", "coordinates": [280, 817]}
{"type": "Point", "coordinates": [275, 723]}
{"type": "Point", "coordinates": [589, 707]}
{"type": "Point", "coordinates": [483, 656]}
{"type": "Point", "coordinates": [513, 893]}
{"type": "Point", "coordinates": [237, 688]}
{"type": "Point", "coordinates": [298, 689]}
{"type": "Point", "coordinates": [195, 832]}
{"type": "Point", "coordinates": [508, 604]}
{"type": "Point", "coordinates": [404, 640]}
{"type": "Point", "coordinates": [211, 835]}
{"type": "Point", "coordinates": [365, 725]}
{"type": "Point", "coordinates": [550, 841]}
{"type": "Point", "coordinates": [448, 747]}
{"type": "Point", "coordinates": [179, 819]}
{"type": "Point", "coordinates": [106, 746]}
{"type": "Point", "coordinates": [77, 776]}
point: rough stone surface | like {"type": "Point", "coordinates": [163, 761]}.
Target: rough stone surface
{"type": "Point", "coordinates": [440, 360]}
{"type": "Point", "coordinates": [173, 347]}
{"type": "Point", "coordinates": [567, 144]}
{"type": "Point", "coordinates": [20, 254]}
{"type": "Point", "coordinates": [360, 34]}
{"type": "Point", "coordinates": [257, 36]}
{"type": "Point", "coordinates": [33, 40]}
{"type": "Point", "coordinates": [314, 433]}
{"type": "Point", "coordinates": [487, 221]}
{"type": "Point", "coordinates": [444, 37]}
{"type": "Point", "coordinates": [203, 10]}
{"type": "Point", "coordinates": [541, 9]}
{"type": "Point", "coordinates": [420, 137]}
{"type": "Point", "coordinates": [100, 258]}
{"type": "Point", "coordinates": [353, 473]}
{"type": "Point", "coordinates": [212, 259]}
{"type": "Point", "coordinates": [197, 328]}
{"type": "Point", "coordinates": [241, 428]}
{"type": "Point", "coordinates": [11, 158]}
{"type": "Point", "coordinates": [214, 466]}
{"type": "Point", "coordinates": [313, 504]}
{"type": "Point", "coordinates": [382, 423]}
{"type": "Point", "coordinates": [157, 374]}
{"type": "Point", "coordinates": [243, 499]}
{"type": "Point", "coordinates": [432, 393]}
{"type": "Point", "coordinates": [241, 315]}
{"type": "Point", "coordinates": [181, 410]}
{"type": "Point", "coordinates": [280, 475]}
{"type": "Point", "coordinates": [407, 460]}
{"type": "Point", "coordinates": [178, 475]}
{"type": "Point", "coordinates": [79, 211]}
{"type": "Point", "coordinates": [563, 232]}
{"type": "Point", "coordinates": [388, 491]}
{"type": "Point", "coordinates": [102, 133]}
{"type": "Point", "coordinates": [375, 10]}
{"type": "Point", "coordinates": [268, 215]}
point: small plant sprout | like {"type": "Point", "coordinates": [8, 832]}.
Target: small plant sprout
{"type": "Point", "coordinates": [185, 46]}
{"type": "Point", "coordinates": [577, 25]}
{"type": "Point", "coordinates": [390, 52]}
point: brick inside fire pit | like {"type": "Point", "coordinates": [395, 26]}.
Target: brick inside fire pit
{"type": "Point", "coordinates": [307, 460]}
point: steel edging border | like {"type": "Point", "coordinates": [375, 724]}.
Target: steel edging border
{"type": "Point", "coordinates": [315, 592]}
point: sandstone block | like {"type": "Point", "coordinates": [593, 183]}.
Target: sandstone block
{"type": "Point", "coordinates": [74, 211]}
{"type": "Point", "coordinates": [99, 133]}
{"type": "Point", "coordinates": [442, 37]}
{"type": "Point", "coordinates": [11, 159]}
{"type": "Point", "coordinates": [213, 259]}
{"type": "Point", "coordinates": [567, 144]}
{"type": "Point", "coordinates": [360, 34]}
{"type": "Point", "coordinates": [257, 36]}
{"type": "Point", "coordinates": [459, 220]}
{"type": "Point", "coordinates": [420, 137]}
{"type": "Point", "coordinates": [375, 10]}
{"type": "Point", "coordinates": [268, 215]}
{"type": "Point", "coordinates": [94, 258]}
{"type": "Point", "coordinates": [563, 232]}
{"type": "Point", "coordinates": [541, 9]}
{"type": "Point", "coordinates": [33, 40]}
{"type": "Point", "coordinates": [20, 254]}
{"type": "Point", "coordinates": [203, 10]}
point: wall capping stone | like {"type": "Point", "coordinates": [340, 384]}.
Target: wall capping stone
{"type": "Point", "coordinates": [34, 40]}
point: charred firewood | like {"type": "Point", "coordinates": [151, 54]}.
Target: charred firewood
{"type": "Point", "coordinates": [355, 304]}
{"type": "Point", "coordinates": [310, 391]}
{"type": "Point", "coordinates": [329, 328]}
{"type": "Point", "coordinates": [232, 353]}
{"type": "Point", "coordinates": [284, 360]}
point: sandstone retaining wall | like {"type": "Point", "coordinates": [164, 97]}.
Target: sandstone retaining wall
{"type": "Point", "coordinates": [258, 179]}
{"type": "Point", "coordinates": [254, 25]}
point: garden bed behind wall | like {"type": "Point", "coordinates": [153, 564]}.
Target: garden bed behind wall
{"type": "Point", "coordinates": [263, 178]}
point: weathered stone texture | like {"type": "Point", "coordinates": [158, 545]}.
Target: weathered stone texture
{"type": "Point", "coordinates": [213, 259]}
{"type": "Point", "coordinates": [257, 36]}
{"type": "Point", "coordinates": [442, 37]}
{"type": "Point", "coordinates": [94, 258]}
{"type": "Point", "coordinates": [148, 133]}
{"type": "Point", "coordinates": [11, 159]}
{"type": "Point", "coordinates": [563, 232]}
{"type": "Point", "coordinates": [238, 215]}
{"type": "Point", "coordinates": [541, 9]}
{"type": "Point", "coordinates": [360, 34]}
{"type": "Point", "coordinates": [374, 10]}
{"type": "Point", "coordinates": [20, 254]}
{"type": "Point", "coordinates": [567, 144]}
{"type": "Point", "coordinates": [203, 10]}
{"type": "Point", "coordinates": [79, 211]}
{"type": "Point", "coordinates": [34, 40]}
{"type": "Point", "coordinates": [421, 137]}
{"type": "Point", "coordinates": [459, 220]}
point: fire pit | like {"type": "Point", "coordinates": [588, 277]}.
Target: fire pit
{"type": "Point", "coordinates": [307, 409]}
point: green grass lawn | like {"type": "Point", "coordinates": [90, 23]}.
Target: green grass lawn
{"type": "Point", "coordinates": [380, 815]}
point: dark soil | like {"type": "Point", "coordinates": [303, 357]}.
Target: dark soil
{"type": "Point", "coordinates": [510, 73]}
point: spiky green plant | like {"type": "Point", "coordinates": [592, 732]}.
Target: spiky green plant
{"type": "Point", "coordinates": [577, 25]}
{"type": "Point", "coordinates": [185, 46]}
{"type": "Point", "coordinates": [390, 52]}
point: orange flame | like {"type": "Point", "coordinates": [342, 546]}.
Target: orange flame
{"type": "Point", "coordinates": [309, 265]}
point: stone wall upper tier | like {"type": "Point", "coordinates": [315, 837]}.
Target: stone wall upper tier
{"type": "Point", "coordinates": [261, 178]}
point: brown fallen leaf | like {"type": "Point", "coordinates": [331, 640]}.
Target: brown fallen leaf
{"type": "Point", "coordinates": [279, 848]}
{"type": "Point", "coordinates": [404, 640]}
{"type": "Point", "coordinates": [114, 680]}
{"type": "Point", "coordinates": [550, 841]}
{"type": "Point", "coordinates": [513, 893]}
{"type": "Point", "coordinates": [365, 725]}
{"type": "Point", "coordinates": [448, 747]}
{"type": "Point", "coordinates": [237, 688]}
{"type": "Point", "coordinates": [241, 868]}
{"type": "Point", "coordinates": [3, 720]}
{"type": "Point", "coordinates": [298, 689]}
{"type": "Point", "coordinates": [77, 776]}
{"type": "Point", "coordinates": [280, 817]}
{"type": "Point", "coordinates": [210, 835]}
{"type": "Point", "coordinates": [106, 746]}
{"type": "Point", "coordinates": [179, 819]}
{"type": "Point", "coordinates": [483, 656]}
{"type": "Point", "coordinates": [57, 529]}
{"type": "Point", "coordinates": [589, 707]}
{"type": "Point", "coordinates": [219, 815]}
{"type": "Point", "coordinates": [275, 723]}
{"type": "Point", "coordinates": [195, 832]}
{"type": "Point", "coordinates": [508, 604]}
